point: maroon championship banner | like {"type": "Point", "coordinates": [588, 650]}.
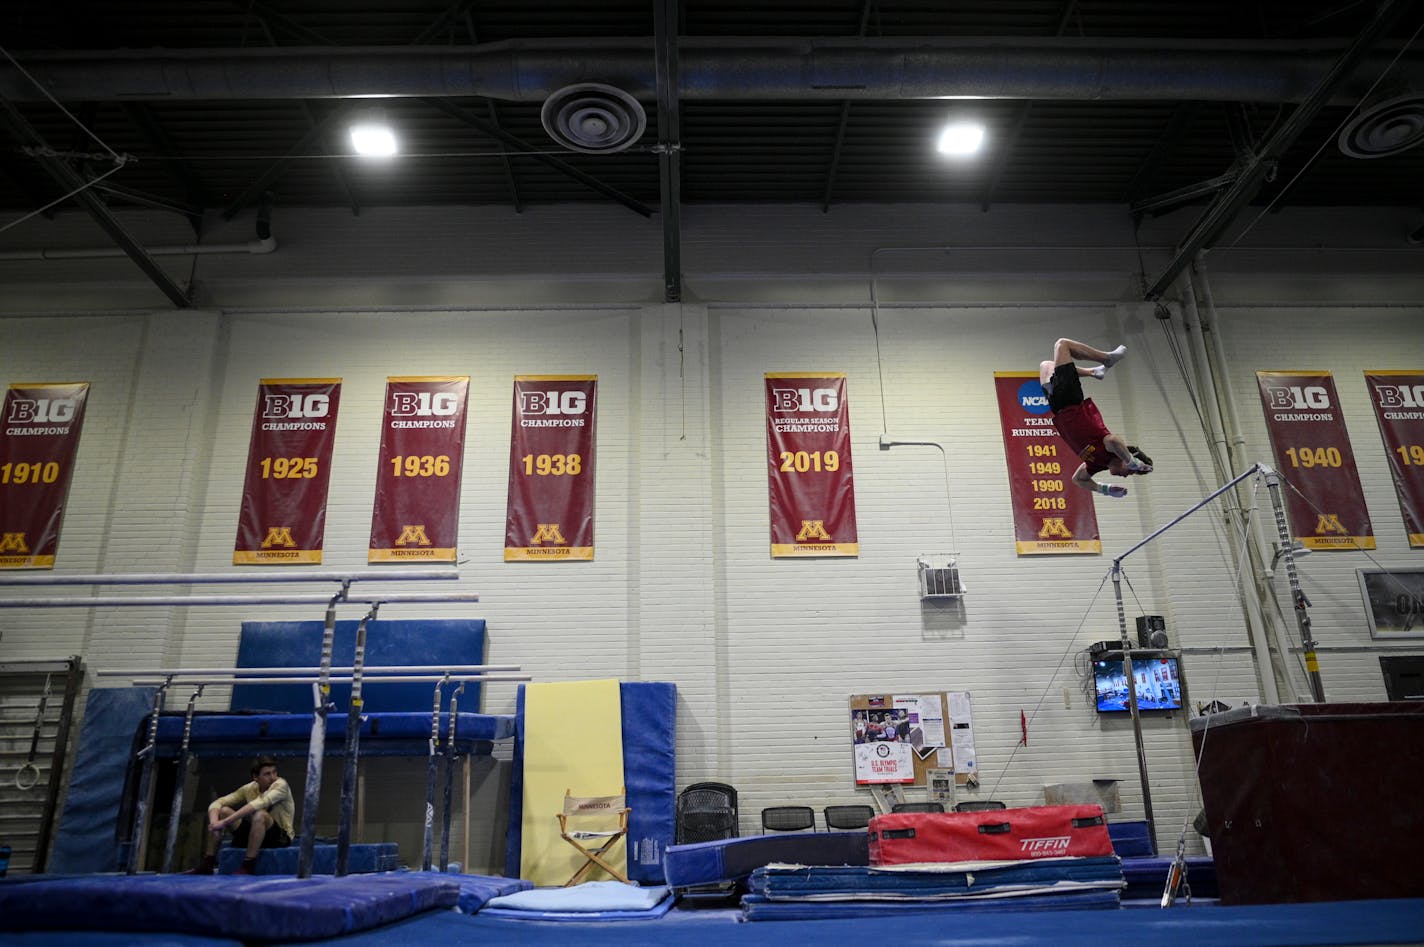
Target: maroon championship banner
{"type": "Point", "coordinates": [1398, 398]}
{"type": "Point", "coordinates": [283, 516]}
{"type": "Point", "coordinates": [1312, 449]}
{"type": "Point", "coordinates": [551, 469]}
{"type": "Point", "coordinates": [42, 425]}
{"type": "Point", "coordinates": [1051, 515]}
{"type": "Point", "coordinates": [808, 465]}
{"type": "Point", "coordinates": [417, 512]}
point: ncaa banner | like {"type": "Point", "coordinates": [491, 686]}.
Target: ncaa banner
{"type": "Point", "coordinates": [1312, 450]}
{"type": "Point", "coordinates": [283, 516]}
{"type": "Point", "coordinates": [550, 512]}
{"type": "Point", "coordinates": [808, 465]}
{"type": "Point", "coordinates": [1398, 398]}
{"type": "Point", "coordinates": [1051, 516]}
{"type": "Point", "coordinates": [42, 425]}
{"type": "Point", "coordinates": [417, 512]}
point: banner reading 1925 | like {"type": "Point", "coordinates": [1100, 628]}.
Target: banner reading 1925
{"type": "Point", "coordinates": [42, 425]}
{"type": "Point", "coordinates": [283, 516]}
{"type": "Point", "coordinates": [1312, 448]}
{"type": "Point", "coordinates": [1398, 398]}
{"type": "Point", "coordinates": [417, 513]}
{"type": "Point", "coordinates": [809, 465]}
{"type": "Point", "coordinates": [1051, 516]}
{"type": "Point", "coordinates": [551, 455]}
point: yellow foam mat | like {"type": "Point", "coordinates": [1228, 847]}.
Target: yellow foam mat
{"type": "Point", "coordinates": [573, 739]}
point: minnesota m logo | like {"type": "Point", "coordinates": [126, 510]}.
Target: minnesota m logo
{"type": "Point", "coordinates": [548, 533]}
{"type": "Point", "coordinates": [813, 529]}
{"type": "Point", "coordinates": [1330, 523]}
{"type": "Point", "coordinates": [278, 536]}
{"type": "Point", "coordinates": [1053, 526]}
{"type": "Point", "coordinates": [13, 542]}
{"type": "Point", "coordinates": [413, 535]}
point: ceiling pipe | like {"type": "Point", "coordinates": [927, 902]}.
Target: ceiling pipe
{"type": "Point", "coordinates": [266, 245]}
{"type": "Point", "coordinates": [729, 69]}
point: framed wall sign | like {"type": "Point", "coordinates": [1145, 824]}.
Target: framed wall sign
{"type": "Point", "coordinates": [1394, 601]}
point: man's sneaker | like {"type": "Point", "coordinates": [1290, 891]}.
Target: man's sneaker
{"type": "Point", "coordinates": [1136, 466]}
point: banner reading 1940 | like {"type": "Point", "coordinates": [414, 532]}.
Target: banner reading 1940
{"type": "Point", "coordinates": [1312, 448]}
{"type": "Point", "coordinates": [550, 514]}
{"type": "Point", "coordinates": [1051, 516]}
{"type": "Point", "coordinates": [808, 464]}
{"type": "Point", "coordinates": [42, 425]}
{"type": "Point", "coordinates": [283, 516]}
{"type": "Point", "coordinates": [417, 513]}
{"type": "Point", "coordinates": [1398, 398]}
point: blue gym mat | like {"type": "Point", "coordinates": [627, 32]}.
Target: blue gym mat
{"type": "Point", "coordinates": [703, 863]}
{"type": "Point", "coordinates": [802, 883]}
{"type": "Point", "coordinates": [758, 908]}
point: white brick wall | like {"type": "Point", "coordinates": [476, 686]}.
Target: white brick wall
{"type": "Point", "coordinates": [765, 652]}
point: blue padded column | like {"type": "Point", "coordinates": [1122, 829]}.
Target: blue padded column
{"type": "Point", "coordinates": [650, 775]}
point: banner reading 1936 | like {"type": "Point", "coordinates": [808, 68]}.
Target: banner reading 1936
{"type": "Point", "coordinates": [1398, 398]}
{"type": "Point", "coordinates": [417, 512]}
{"type": "Point", "coordinates": [1312, 448]}
{"type": "Point", "coordinates": [42, 425]}
{"type": "Point", "coordinates": [809, 466]}
{"type": "Point", "coordinates": [1051, 516]}
{"type": "Point", "coordinates": [551, 458]}
{"type": "Point", "coordinates": [283, 516]}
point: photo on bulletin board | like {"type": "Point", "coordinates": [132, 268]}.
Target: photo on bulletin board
{"type": "Point", "coordinates": [895, 738]}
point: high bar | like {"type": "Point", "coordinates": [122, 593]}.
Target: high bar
{"type": "Point", "coordinates": [293, 671]}
{"type": "Point", "coordinates": [106, 601]}
{"type": "Point", "coordinates": [402, 679]}
{"type": "Point", "coordinates": [212, 578]}
{"type": "Point", "coordinates": [1254, 469]}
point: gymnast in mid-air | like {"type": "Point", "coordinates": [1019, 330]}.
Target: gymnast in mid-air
{"type": "Point", "coordinates": [1081, 424]}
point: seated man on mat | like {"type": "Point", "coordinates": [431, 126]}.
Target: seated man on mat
{"type": "Point", "coordinates": [262, 812]}
{"type": "Point", "coordinates": [1079, 422]}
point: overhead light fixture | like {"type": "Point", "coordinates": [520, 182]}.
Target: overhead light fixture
{"type": "Point", "coordinates": [371, 135]}
{"type": "Point", "coordinates": [961, 138]}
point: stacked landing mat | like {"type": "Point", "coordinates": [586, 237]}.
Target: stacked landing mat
{"type": "Point", "coordinates": [796, 892]}
{"type": "Point", "coordinates": [381, 856]}
{"type": "Point", "coordinates": [592, 901]}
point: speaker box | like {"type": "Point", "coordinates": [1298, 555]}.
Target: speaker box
{"type": "Point", "coordinates": [1151, 631]}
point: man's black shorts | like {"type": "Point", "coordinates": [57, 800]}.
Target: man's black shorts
{"type": "Point", "coordinates": [1065, 389]}
{"type": "Point", "coordinates": [275, 837]}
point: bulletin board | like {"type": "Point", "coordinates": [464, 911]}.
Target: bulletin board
{"type": "Point", "coordinates": [926, 737]}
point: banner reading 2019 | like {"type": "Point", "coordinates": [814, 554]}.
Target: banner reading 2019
{"type": "Point", "coordinates": [283, 516]}
{"type": "Point", "coordinates": [417, 513]}
{"type": "Point", "coordinates": [551, 468]}
{"type": "Point", "coordinates": [809, 466]}
{"type": "Point", "coordinates": [42, 424]}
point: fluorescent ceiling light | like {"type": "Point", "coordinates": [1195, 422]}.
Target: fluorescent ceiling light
{"type": "Point", "coordinates": [961, 138]}
{"type": "Point", "coordinates": [374, 140]}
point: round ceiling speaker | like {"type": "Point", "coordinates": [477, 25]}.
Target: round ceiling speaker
{"type": "Point", "coordinates": [1385, 127]}
{"type": "Point", "coordinates": [594, 118]}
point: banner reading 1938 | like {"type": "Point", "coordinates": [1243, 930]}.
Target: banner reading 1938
{"type": "Point", "coordinates": [1398, 398]}
{"type": "Point", "coordinates": [42, 425]}
{"type": "Point", "coordinates": [1327, 505]}
{"type": "Point", "coordinates": [283, 516]}
{"type": "Point", "coordinates": [1051, 516]}
{"type": "Point", "coordinates": [809, 467]}
{"type": "Point", "coordinates": [417, 513]}
{"type": "Point", "coordinates": [550, 514]}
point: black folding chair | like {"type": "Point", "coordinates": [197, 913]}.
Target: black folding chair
{"type": "Point", "coordinates": [978, 805]}
{"type": "Point", "coordinates": [706, 812]}
{"type": "Point", "coordinates": [788, 819]}
{"type": "Point", "coordinates": [848, 817]}
{"type": "Point", "coordinates": [917, 807]}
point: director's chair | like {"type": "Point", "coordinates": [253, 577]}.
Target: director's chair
{"type": "Point", "coordinates": [601, 808]}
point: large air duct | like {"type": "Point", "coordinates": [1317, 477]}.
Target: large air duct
{"type": "Point", "coordinates": [728, 69]}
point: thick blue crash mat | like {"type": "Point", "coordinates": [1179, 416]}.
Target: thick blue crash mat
{"type": "Point", "coordinates": [283, 734]}
{"type": "Point", "coordinates": [477, 890]}
{"type": "Point", "coordinates": [247, 908]}
{"type": "Point", "coordinates": [1146, 877]}
{"type": "Point", "coordinates": [757, 908]}
{"type": "Point", "coordinates": [705, 863]}
{"type": "Point", "coordinates": [967, 880]}
{"type": "Point", "coordinates": [362, 860]}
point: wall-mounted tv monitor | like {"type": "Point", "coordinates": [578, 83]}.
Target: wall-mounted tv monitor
{"type": "Point", "coordinates": [1159, 683]}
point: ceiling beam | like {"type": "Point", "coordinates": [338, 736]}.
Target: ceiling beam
{"type": "Point", "coordinates": [70, 180]}
{"type": "Point", "coordinates": [260, 184]}
{"type": "Point", "coordinates": [844, 122]}
{"type": "Point", "coordinates": [170, 156]}
{"type": "Point", "coordinates": [520, 145]}
{"type": "Point", "coordinates": [509, 182]}
{"type": "Point", "coordinates": [665, 40]}
{"type": "Point", "coordinates": [1167, 143]}
{"type": "Point", "coordinates": [1230, 202]}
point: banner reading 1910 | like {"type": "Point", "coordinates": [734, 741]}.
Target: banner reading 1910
{"type": "Point", "coordinates": [42, 425]}
{"type": "Point", "coordinates": [417, 513]}
{"type": "Point", "coordinates": [1398, 398]}
{"type": "Point", "coordinates": [550, 514]}
{"type": "Point", "coordinates": [809, 465]}
{"type": "Point", "coordinates": [283, 516]}
{"type": "Point", "coordinates": [1312, 448]}
{"type": "Point", "coordinates": [1051, 516]}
